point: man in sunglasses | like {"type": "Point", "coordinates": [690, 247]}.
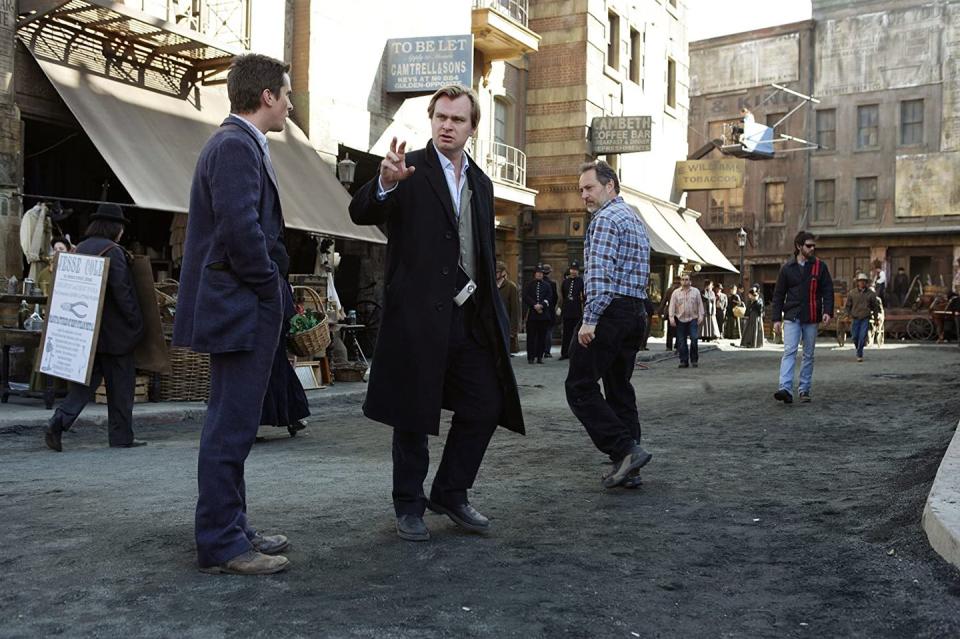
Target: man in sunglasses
{"type": "Point", "coordinates": [802, 299]}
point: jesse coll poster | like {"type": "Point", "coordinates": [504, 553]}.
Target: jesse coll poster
{"type": "Point", "coordinates": [73, 317]}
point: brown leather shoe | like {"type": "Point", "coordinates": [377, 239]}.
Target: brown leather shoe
{"type": "Point", "coordinates": [269, 544]}
{"type": "Point", "coordinates": [250, 563]}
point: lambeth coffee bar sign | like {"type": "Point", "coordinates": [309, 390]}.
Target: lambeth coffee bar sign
{"type": "Point", "coordinates": [626, 134]}
{"type": "Point", "coordinates": [417, 65]}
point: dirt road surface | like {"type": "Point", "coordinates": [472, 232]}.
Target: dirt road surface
{"type": "Point", "coordinates": [755, 520]}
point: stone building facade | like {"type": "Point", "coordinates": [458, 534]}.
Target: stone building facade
{"type": "Point", "coordinates": [880, 191]}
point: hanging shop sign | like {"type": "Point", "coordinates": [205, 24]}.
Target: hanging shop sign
{"type": "Point", "coordinates": [417, 65]}
{"type": "Point", "coordinates": [73, 317]}
{"type": "Point", "coordinates": [625, 134]}
{"type": "Point", "coordinates": [702, 175]}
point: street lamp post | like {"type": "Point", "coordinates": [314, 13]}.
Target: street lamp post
{"type": "Point", "coordinates": [741, 242]}
{"type": "Point", "coordinates": [345, 171]}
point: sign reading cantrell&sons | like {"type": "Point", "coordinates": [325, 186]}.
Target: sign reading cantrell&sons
{"type": "Point", "coordinates": [416, 65]}
{"type": "Point", "coordinates": [626, 134]}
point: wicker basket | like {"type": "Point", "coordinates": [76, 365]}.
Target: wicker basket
{"type": "Point", "coordinates": [349, 371]}
{"type": "Point", "coordinates": [189, 379]}
{"type": "Point", "coordinates": [313, 341]}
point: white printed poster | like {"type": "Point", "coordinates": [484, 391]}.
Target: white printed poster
{"type": "Point", "coordinates": [73, 317]}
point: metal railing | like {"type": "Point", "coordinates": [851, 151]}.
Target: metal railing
{"type": "Point", "coordinates": [225, 20]}
{"type": "Point", "coordinates": [501, 161]}
{"type": "Point", "coordinates": [515, 9]}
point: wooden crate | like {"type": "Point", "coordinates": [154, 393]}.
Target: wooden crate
{"type": "Point", "coordinates": [139, 393]}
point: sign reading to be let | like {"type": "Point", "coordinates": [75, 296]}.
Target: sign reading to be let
{"type": "Point", "coordinates": [416, 65]}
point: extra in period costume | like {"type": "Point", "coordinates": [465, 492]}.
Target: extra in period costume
{"type": "Point", "coordinates": [753, 325]}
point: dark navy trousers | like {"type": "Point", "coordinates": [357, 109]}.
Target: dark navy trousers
{"type": "Point", "coordinates": [238, 382]}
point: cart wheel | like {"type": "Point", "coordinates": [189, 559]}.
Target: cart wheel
{"type": "Point", "coordinates": [920, 329]}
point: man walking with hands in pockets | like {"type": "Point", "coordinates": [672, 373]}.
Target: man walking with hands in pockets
{"type": "Point", "coordinates": [444, 337]}
{"type": "Point", "coordinates": [616, 256]}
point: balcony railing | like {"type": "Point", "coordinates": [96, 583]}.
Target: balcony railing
{"type": "Point", "coordinates": [515, 9]}
{"type": "Point", "coordinates": [501, 161]}
{"type": "Point", "coordinates": [227, 21]}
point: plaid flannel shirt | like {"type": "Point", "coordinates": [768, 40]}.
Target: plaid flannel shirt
{"type": "Point", "coordinates": [616, 254]}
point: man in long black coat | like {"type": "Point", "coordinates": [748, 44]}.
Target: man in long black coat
{"type": "Point", "coordinates": [443, 339]}
{"type": "Point", "coordinates": [539, 302]}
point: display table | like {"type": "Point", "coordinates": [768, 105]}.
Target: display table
{"type": "Point", "coordinates": [18, 337]}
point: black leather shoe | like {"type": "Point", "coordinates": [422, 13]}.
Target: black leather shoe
{"type": "Point", "coordinates": [51, 436]}
{"type": "Point", "coordinates": [463, 515]}
{"type": "Point", "coordinates": [695, 364]}
{"type": "Point", "coordinates": [412, 528]}
{"type": "Point", "coordinates": [682, 365]}
{"type": "Point", "coordinates": [784, 396]}
{"type": "Point", "coordinates": [269, 544]}
{"type": "Point", "coordinates": [548, 355]}
{"type": "Point", "coordinates": [135, 443]}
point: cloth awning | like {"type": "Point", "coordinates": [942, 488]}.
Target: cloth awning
{"type": "Point", "coordinates": [152, 141]}
{"type": "Point", "coordinates": [686, 224]}
{"type": "Point", "coordinates": [664, 239]}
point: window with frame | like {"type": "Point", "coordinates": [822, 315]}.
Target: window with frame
{"type": "Point", "coordinates": [671, 83]}
{"type": "Point", "coordinates": [725, 208]}
{"type": "Point", "coordinates": [636, 53]}
{"type": "Point", "coordinates": [613, 40]}
{"type": "Point", "coordinates": [501, 117]}
{"type": "Point", "coordinates": [827, 129]}
{"type": "Point", "coordinates": [866, 198]}
{"type": "Point", "coordinates": [911, 122]}
{"type": "Point", "coordinates": [773, 202]}
{"type": "Point", "coordinates": [824, 200]}
{"type": "Point", "coordinates": [868, 126]}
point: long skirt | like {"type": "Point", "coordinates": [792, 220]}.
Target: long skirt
{"type": "Point", "coordinates": [753, 332]}
{"type": "Point", "coordinates": [731, 327]}
{"type": "Point", "coordinates": [709, 330]}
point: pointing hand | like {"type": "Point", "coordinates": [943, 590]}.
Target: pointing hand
{"type": "Point", "coordinates": [393, 167]}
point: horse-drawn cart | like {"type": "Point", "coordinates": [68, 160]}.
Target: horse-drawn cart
{"type": "Point", "coordinates": [920, 322]}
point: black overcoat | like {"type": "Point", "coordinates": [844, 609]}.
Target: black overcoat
{"type": "Point", "coordinates": [423, 252]}
{"type": "Point", "coordinates": [121, 325]}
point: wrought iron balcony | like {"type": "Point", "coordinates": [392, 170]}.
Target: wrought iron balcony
{"type": "Point", "coordinates": [516, 9]}
{"type": "Point", "coordinates": [500, 29]}
{"type": "Point", "coordinates": [501, 162]}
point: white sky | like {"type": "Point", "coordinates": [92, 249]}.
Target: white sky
{"type": "Point", "coordinates": [712, 18]}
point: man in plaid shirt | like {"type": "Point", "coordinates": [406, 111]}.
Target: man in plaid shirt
{"type": "Point", "coordinates": [617, 260]}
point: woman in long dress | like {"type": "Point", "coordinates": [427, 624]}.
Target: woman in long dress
{"type": "Point", "coordinates": [709, 329]}
{"type": "Point", "coordinates": [753, 323]}
{"type": "Point", "coordinates": [731, 324]}
{"type": "Point", "coordinates": [721, 303]}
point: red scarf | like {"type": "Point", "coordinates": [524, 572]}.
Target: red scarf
{"type": "Point", "coordinates": [812, 295]}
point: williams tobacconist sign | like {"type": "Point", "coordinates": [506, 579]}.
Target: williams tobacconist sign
{"type": "Point", "coordinates": [702, 175]}
{"type": "Point", "coordinates": [416, 65]}
{"type": "Point", "coordinates": [626, 134]}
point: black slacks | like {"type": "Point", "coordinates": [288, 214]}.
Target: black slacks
{"type": "Point", "coordinates": [471, 389]}
{"type": "Point", "coordinates": [536, 337]}
{"type": "Point", "coordinates": [570, 325]}
{"type": "Point", "coordinates": [611, 419]}
{"type": "Point", "coordinates": [119, 375]}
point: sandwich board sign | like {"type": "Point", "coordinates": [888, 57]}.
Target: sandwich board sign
{"type": "Point", "coordinates": [74, 310]}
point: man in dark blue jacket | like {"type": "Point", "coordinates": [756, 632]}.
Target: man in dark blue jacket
{"type": "Point", "coordinates": [230, 306]}
{"type": "Point", "coordinates": [121, 329]}
{"type": "Point", "coordinates": [802, 299]}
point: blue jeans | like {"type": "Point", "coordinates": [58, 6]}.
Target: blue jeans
{"type": "Point", "coordinates": [684, 329]}
{"type": "Point", "coordinates": [859, 330]}
{"type": "Point", "coordinates": [793, 331]}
